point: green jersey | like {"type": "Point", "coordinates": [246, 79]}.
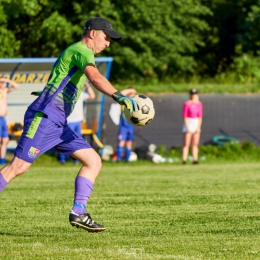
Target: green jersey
{"type": "Point", "coordinates": [65, 83]}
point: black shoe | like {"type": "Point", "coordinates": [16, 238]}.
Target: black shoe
{"type": "Point", "coordinates": [85, 221]}
{"type": "Point", "coordinates": [195, 162]}
{"type": "Point", "coordinates": [184, 162]}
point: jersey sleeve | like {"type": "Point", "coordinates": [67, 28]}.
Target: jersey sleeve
{"type": "Point", "coordinates": [82, 60]}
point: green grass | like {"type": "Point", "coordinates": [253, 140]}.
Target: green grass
{"type": "Point", "coordinates": [167, 211]}
{"type": "Point", "coordinates": [252, 88]}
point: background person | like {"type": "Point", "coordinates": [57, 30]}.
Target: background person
{"type": "Point", "coordinates": [4, 90]}
{"type": "Point", "coordinates": [75, 119]}
{"type": "Point", "coordinates": [45, 124]}
{"type": "Point", "coordinates": [125, 131]}
{"type": "Point", "coordinates": [192, 116]}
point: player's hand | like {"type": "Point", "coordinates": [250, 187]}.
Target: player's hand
{"type": "Point", "coordinates": [124, 100]}
{"type": "Point", "coordinates": [36, 93]}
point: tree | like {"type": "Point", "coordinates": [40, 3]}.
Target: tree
{"type": "Point", "coordinates": [159, 38]}
{"type": "Point", "coordinates": [226, 39]}
{"type": "Point", "coordinates": [7, 37]}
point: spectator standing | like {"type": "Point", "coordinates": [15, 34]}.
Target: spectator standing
{"type": "Point", "coordinates": [192, 117]}
{"type": "Point", "coordinates": [4, 90]}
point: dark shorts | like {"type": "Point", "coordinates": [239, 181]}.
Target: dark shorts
{"type": "Point", "coordinates": [40, 134]}
{"type": "Point", "coordinates": [126, 134]}
{"type": "Point", "coordinates": [76, 127]}
{"type": "Point", "coordinates": [3, 128]}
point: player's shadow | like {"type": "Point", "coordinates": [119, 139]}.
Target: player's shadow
{"type": "Point", "coordinates": [15, 234]}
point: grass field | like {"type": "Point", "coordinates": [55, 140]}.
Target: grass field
{"type": "Point", "coordinates": [203, 88]}
{"type": "Point", "coordinates": [206, 211]}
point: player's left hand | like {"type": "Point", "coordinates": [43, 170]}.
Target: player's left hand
{"type": "Point", "coordinates": [124, 100]}
{"type": "Point", "coordinates": [36, 93]}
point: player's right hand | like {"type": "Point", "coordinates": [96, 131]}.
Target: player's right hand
{"type": "Point", "coordinates": [124, 100]}
{"type": "Point", "coordinates": [36, 93]}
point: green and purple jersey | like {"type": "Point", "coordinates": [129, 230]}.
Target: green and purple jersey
{"type": "Point", "coordinates": [65, 83]}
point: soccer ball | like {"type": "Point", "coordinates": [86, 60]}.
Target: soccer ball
{"type": "Point", "coordinates": [145, 113]}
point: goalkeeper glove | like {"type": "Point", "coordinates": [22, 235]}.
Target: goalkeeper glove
{"type": "Point", "coordinates": [127, 101]}
{"type": "Point", "coordinates": [36, 93]}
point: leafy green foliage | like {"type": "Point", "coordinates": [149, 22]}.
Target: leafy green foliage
{"type": "Point", "coordinates": [244, 151]}
{"type": "Point", "coordinates": [231, 55]}
{"type": "Point", "coordinates": [158, 38]}
{"type": "Point", "coordinates": [162, 39]}
{"type": "Point", "coordinates": [244, 69]}
{"type": "Point", "coordinates": [232, 151]}
{"type": "Point", "coordinates": [7, 38]}
{"type": "Point", "coordinates": [251, 41]}
{"type": "Point", "coordinates": [39, 27]}
{"type": "Point", "coordinates": [169, 41]}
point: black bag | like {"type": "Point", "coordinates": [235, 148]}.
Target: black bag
{"type": "Point", "coordinates": [141, 152]}
{"type": "Point", "coordinates": [17, 127]}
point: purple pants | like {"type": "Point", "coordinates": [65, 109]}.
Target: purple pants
{"type": "Point", "coordinates": [41, 134]}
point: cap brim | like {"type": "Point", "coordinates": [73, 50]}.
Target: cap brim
{"type": "Point", "coordinates": [114, 36]}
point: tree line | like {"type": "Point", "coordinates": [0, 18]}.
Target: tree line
{"type": "Point", "coordinates": [163, 41]}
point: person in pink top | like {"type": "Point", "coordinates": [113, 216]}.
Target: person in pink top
{"type": "Point", "coordinates": [192, 113]}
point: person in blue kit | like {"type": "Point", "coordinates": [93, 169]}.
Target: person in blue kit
{"type": "Point", "coordinates": [125, 131]}
{"type": "Point", "coordinates": [45, 121]}
{"type": "Point", "coordinates": [4, 139]}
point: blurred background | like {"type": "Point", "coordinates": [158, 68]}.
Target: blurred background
{"type": "Point", "coordinates": [167, 41]}
{"type": "Point", "coordinates": [168, 47]}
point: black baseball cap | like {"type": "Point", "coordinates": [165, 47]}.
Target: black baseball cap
{"type": "Point", "coordinates": [194, 91]}
{"type": "Point", "coordinates": [98, 23]}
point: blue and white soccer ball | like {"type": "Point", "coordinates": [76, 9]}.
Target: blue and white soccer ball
{"type": "Point", "coordinates": [145, 113]}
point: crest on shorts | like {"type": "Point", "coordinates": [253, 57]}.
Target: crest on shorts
{"type": "Point", "coordinates": [33, 152]}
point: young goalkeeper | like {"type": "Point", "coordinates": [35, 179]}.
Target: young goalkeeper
{"type": "Point", "coordinates": [45, 124]}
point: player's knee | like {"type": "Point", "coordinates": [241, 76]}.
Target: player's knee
{"type": "Point", "coordinates": [98, 163]}
{"type": "Point", "coordinates": [19, 168]}
{"type": "Point", "coordinates": [95, 164]}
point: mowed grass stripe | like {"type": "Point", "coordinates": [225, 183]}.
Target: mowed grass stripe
{"type": "Point", "coordinates": [150, 211]}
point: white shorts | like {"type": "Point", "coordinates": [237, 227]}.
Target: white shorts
{"type": "Point", "coordinates": [193, 124]}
